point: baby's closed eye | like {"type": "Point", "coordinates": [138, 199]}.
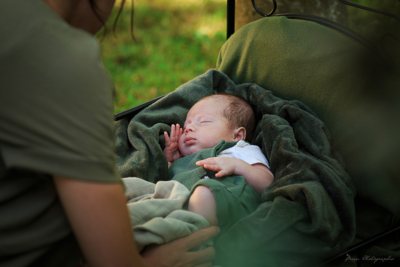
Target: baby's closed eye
{"type": "Point", "coordinates": [206, 119]}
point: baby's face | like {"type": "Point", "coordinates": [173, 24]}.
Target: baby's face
{"type": "Point", "coordinates": [205, 127]}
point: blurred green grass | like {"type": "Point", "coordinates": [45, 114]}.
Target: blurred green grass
{"type": "Point", "coordinates": [179, 40]}
{"type": "Point", "coordinates": [176, 41]}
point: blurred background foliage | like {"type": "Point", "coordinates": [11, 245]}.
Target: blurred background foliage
{"type": "Point", "coordinates": [176, 40]}
{"type": "Point", "coordinates": [373, 26]}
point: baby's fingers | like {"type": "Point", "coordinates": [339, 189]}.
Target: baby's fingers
{"type": "Point", "coordinates": [206, 161]}
{"type": "Point", "coordinates": [221, 173]}
{"type": "Point", "coordinates": [175, 132]}
{"type": "Point", "coordinates": [178, 131]}
{"type": "Point", "coordinates": [167, 141]}
{"type": "Point", "coordinates": [172, 131]}
{"type": "Point", "coordinates": [202, 162]}
{"type": "Point", "coordinates": [213, 166]}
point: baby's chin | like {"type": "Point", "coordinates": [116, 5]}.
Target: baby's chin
{"type": "Point", "coordinates": [189, 151]}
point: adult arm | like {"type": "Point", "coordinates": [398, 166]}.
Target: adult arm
{"type": "Point", "coordinates": [99, 218]}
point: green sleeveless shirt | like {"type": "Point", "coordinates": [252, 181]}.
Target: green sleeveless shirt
{"type": "Point", "coordinates": [56, 118]}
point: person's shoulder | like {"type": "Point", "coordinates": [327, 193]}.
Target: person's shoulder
{"type": "Point", "coordinates": [69, 43]}
{"type": "Point", "coordinates": [31, 25]}
{"type": "Point", "coordinates": [51, 53]}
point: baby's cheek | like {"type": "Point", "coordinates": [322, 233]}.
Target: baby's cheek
{"type": "Point", "coordinates": [181, 149]}
{"type": "Point", "coordinates": [184, 150]}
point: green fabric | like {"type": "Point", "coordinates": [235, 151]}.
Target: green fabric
{"type": "Point", "coordinates": [56, 114]}
{"type": "Point", "coordinates": [353, 93]}
{"type": "Point", "coordinates": [156, 212]}
{"type": "Point", "coordinates": [185, 170]}
{"type": "Point", "coordinates": [235, 199]}
{"type": "Point", "coordinates": [308, 211]}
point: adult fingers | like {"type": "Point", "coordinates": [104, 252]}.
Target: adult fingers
{"type": "Point", "coordinates": [202, 257]}
{"type": "Point", "coordinates": [200, 237]}
{"type": "Point", "coordinates": [208, 264]}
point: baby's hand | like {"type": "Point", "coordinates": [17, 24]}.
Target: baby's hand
{"type": "Point", "coordinates": [171, 150]}
{"type": "Point", "coordinates": [224, 166]}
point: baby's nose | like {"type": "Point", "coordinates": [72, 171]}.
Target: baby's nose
{"type": "Point", "coordinates": [189, 128]}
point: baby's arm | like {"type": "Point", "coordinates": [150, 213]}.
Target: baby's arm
{"type": "Point", "coordinates": [257, 175]}
{"type": "Point", "coordinates": [171, 150]}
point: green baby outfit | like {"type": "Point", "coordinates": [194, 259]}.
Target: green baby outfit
{"type": "Point", "coordinates": [234, 197]}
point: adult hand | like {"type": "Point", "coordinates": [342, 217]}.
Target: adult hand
{"type": "Point", "coordinates": [176, 253]}
{"type": "Point", "coordinates": [171, 150]}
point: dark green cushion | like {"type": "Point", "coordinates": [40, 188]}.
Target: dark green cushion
{"type": "Point", "coordinates": [343, 83]}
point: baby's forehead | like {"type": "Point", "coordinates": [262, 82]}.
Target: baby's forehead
{"type": "Point", "coordinates": [204, 108]}
{"type": "Point", "coordinates": [207, 106]}
{"type": "Point", "coordinates": [218, 102]}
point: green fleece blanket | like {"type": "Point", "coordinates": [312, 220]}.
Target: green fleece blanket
{"type": "Point", "coordinates": [307, 213]}
{"type": "Point", "coordinates": [156, 211]}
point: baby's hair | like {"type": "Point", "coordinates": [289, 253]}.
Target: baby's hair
{"type": "Point", "coordinates": [238, 113]}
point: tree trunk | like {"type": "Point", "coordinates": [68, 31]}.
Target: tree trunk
{"type": "Point", "coordinates": [329, 9]}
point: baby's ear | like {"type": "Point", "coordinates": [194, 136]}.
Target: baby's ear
{"type": "Point", "coordinates": [239, 134]}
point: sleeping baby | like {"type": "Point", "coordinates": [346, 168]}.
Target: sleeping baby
{"type": "Point", "coordinates": [209, 155]}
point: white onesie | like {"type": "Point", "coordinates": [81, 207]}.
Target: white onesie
{"type": "Point", "coordinates": [246, 152]}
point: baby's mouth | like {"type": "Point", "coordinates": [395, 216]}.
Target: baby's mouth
{"type": "Point", "coordinates": [189, 140]}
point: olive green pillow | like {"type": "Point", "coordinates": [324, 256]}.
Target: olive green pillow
{"type": "Point", "coordinates": [343, 82]}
